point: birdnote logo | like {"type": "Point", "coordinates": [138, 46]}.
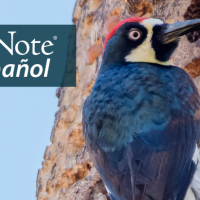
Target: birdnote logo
{"type": "Point", "coordinates": [8, 70]}
{"type": "Point", "coordinates": [38, 55]}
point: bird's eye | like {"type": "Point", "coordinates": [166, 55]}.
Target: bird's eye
{"type": "Point", "coordinates": [134, 34]}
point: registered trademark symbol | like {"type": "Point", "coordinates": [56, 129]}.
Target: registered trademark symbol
{"type": "Point", "coordinates": [55, 37]}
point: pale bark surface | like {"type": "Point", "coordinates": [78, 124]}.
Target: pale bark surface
{"type": "Point", "coordinates": [67, 172]}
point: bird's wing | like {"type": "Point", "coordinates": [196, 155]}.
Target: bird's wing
{"type": "Point", "coordinates": [144, 174]}
{"type": "Point", "coordinates": [140, 140]}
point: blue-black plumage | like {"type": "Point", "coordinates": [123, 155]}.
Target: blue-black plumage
{"type": "Point", "coordinates": [141, 122]}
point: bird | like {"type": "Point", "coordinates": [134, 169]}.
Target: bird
{"type": "Point", "coordinates": [141, 122]}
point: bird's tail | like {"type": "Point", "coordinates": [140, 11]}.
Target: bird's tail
{"type": "Point", "coordinates": [188, 179]}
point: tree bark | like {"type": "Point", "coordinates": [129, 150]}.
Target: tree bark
{"type": "Point", "coordinates": [67, 172]}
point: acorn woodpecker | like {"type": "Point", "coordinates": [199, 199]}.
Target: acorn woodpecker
{"type": "Point", "coordinates": [141, 122]}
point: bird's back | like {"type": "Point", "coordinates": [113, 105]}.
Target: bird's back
{"type": "Point", "coordinates": [141, 125]}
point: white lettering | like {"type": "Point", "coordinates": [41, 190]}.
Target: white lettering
{"type": "Point", "coordinates": [12, 67]}
{"type": "Point", "coordinates": [47, 67]}
{"type": "Point", "coordinates": [10, 50]}
{"type": "Point", "coordinates": [20, 67]}
{"type": "Point", "coordinates": [43, 46]}
{"type": "Point", "coordinates": [33, 47]}
{"type": "Point", "coordinates": [17, 47]}
{"type": "Point", "coordinates": [33, 68]}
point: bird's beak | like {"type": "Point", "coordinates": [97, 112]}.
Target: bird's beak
{"type": "Point", "coordinates": [172, 32]}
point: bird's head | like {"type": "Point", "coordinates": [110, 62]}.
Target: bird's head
{"type": "Point", "coordinates": [139, 39]}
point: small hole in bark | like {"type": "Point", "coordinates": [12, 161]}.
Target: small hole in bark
{"type": "Point", "coordinates": [82, 3]}
{"type": "Point", "coordinates": [116, 11]}
{"type": "Point", "coordinates": [93, 52]}
{"type": "Point", "coordinates": [142, 9]}
{"type": "Point", "coordinates": [89, 167]}
{"type": "Point", "coordinates": [193, 68]}
{"type": "Point", "coordinates": [76, 13]}
{"type": "Point", "coordinates": [94, 4]}
{"type": "Point", "coordinates": [86, 26]}
{"type": "Point", "coordinates": [193, 12]}
{"type": "Point", "coordinates": [110, 23]}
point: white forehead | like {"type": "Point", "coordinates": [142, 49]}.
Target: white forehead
{"type": "Point", "coordinates": [151, 22]}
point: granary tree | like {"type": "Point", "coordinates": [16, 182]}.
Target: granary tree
{"type": "Point", "coordinates": [67, 172]}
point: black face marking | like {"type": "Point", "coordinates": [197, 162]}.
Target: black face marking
{"type": "Point", "coordinates": [120, 45]}
{"type": "Point", "coordinates": [163, 51]}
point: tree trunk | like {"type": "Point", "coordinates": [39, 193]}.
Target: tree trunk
{"type": "Point", "coordinates": [67, 172]}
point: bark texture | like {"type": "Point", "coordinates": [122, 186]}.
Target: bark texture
{"type": "Point", "coordinates": [67, 172]}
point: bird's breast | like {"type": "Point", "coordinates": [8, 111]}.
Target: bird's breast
{"type": "Point", "coordinates": [131, 101]}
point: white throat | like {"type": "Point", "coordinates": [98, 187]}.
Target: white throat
{"type": "Point", "coordinates": [145, 52]}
